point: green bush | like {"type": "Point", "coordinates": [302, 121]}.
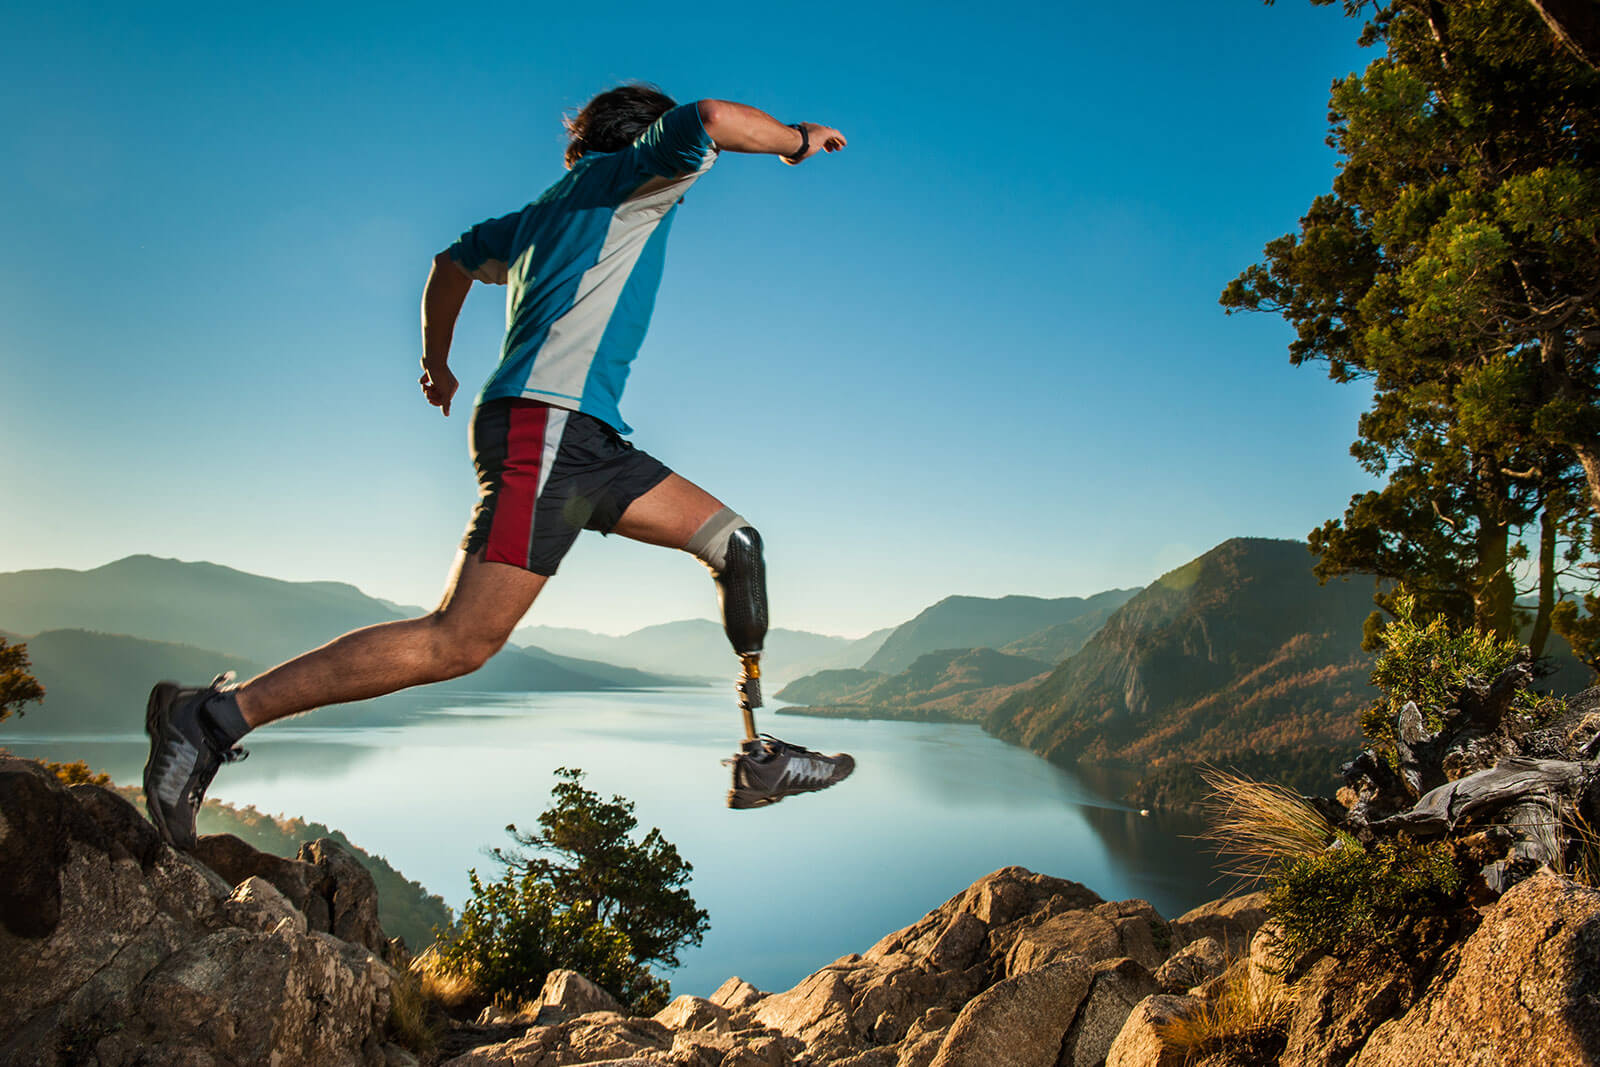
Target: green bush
{"type": "Point", "coordinates": [1431, 663]}
{"type": "Point", "coordinates": [513, 932]}
{"type": "Point", "coordinates": [580, 894]}
{"type": "Point", "coordinates": [1349, 899]}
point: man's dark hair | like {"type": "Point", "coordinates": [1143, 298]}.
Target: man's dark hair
{"type": "Point", "coordinates": [611, 121]}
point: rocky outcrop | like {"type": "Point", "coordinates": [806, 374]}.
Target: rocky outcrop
{"type": "Point", "coordinates": [119, 950]}
{"type": "Point", "coordinates": [1018, 969]}
{"type": "Point", "coordinates": [1524, 988]}
{"type": "Point", "coordinates": [325, 884]}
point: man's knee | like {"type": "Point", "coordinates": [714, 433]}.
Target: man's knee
{"type": "Point", "coordinates": [458, 650]}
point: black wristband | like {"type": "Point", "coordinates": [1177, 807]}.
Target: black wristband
{"type": "Point", "coordinates": [805, 142]}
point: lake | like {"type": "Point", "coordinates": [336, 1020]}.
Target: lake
{"type": "Point", "coordinates": [429, 782]}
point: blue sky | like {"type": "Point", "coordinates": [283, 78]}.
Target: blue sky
{"type": "Point", "coordinates": [978, 352]}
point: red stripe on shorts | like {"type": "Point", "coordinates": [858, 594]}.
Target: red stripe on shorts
{"type": "Point", "coordinates": [512, 529]}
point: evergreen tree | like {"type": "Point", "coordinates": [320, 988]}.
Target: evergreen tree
{"type": "Point", "coordinates": [1455, 266]}
{"type": "Point", "coordinates": [585, 852]}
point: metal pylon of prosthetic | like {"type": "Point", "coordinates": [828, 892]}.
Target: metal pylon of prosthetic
{"type": "Point", "coordinates": [749, 691]}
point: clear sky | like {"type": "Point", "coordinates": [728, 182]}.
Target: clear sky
{"type": "Point", "coordinates": [978, 352]}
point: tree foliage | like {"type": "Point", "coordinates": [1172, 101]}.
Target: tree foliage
{"type": "Point", "coordinates": [17, 687]}
{"type": "Point", "coordinates": [1455, 267]}
{"type": "Point", "coordinates": [579, 894]}
{"type": "Point", "coordinates": [513, 932]}
{"type": "Point", "coordinates": [585, 852]}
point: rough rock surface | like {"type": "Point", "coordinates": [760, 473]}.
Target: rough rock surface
{"type": "Point", "coordinates": [120, 950]}
{"type": "Point", "coordinates": [1524, 988]}
{"type": "Point", "coordinates": [1018, 1022]}
{"type": "Point", "coordinates": [1115, 990]}
{"type": "Point", "coordinates": [1194, 964]}
{"type": "Point", "coordinates": [325, 884]}
{"type": "Point", "coordinates": [1140, 1043]}
{"type": "Point", "coordinates": [1231, 922]}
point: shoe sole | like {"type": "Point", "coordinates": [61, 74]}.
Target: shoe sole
{"type": "Point", "coordinates": [161, 696]}
{"type": "Point", "coordinates": [745, 799]}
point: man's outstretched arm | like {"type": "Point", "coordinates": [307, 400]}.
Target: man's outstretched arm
{"type": "Point", "coordinates": [442, 298]}
{"type": "Point", "coordinates": [741, 128]}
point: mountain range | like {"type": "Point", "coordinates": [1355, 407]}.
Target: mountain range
{"type": "Point", "coordinates": [1239, 657]}
{"type": "Point", "coordinates": [98, 639]}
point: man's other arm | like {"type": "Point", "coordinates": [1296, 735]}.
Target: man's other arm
{"type": "Point", "coordinates": [741, 128]}
{"type": "Point", "coordinates": [442, 298]}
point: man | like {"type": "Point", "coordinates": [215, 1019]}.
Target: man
{"type": "Point", "coordinates": [582, 264]}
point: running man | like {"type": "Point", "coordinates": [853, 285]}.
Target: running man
{"type": "Point", "coordinates": [582, 264]}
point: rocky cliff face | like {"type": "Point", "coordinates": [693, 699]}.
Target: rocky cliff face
{"type": "Point", "coordinates": [119, 950]}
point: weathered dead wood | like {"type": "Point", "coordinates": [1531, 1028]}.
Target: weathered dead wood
{"type": "Point", "coordinates": [1480, 795]}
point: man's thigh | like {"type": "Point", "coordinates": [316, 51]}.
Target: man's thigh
{"type": "Point", "coordinates": [668, 514]}
{"type": "Point", "coordinates": [487, 600]}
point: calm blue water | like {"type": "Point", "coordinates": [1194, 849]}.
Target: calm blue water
{"type": "Point", "coordinates": [431, 783]}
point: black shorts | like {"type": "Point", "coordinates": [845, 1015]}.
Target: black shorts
{"type": "Point", "coordinates": [544, 473]}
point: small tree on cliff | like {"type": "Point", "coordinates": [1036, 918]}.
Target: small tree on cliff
{"type": "Point", "coordinates": [579, 894]}
{"type": "Point", "coordinates": [17, 686]}
{"type": "Point", "coordinates": [1456, 266]}
{"type": "Point", "coordinates": [585, 851]}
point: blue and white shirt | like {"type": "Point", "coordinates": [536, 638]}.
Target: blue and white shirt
{"type": "Point", "coordinates": [583, 263]}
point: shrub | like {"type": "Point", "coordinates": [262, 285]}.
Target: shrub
{"type": "Point", "coordinates": [1431, 663]}
{"type": "Point", "coordinates": [513, 932]}
{"type": "Point", "coordinates": [77, 773]}
{"type": "Point", "coordinates": [1347, 899]}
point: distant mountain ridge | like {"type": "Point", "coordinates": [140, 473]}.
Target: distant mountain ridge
{"type": "Point", "coordinates": [96, 635]}
{"type": "Point", "coordinates": [953, 683]}
{"type": "Point", "coordinates": [1239, 654]}
{"type": "Point", "coordinates": [699, 647]}
{"type": "Point", "coordinates": [995, 622]}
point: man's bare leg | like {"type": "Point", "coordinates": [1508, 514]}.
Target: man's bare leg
{"type": "Point", "coordinates": [483, 602]}
{"type": "Point", "coordinates": [669, 514]}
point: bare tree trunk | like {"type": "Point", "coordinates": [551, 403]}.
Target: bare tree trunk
{"type": "Point", "coordinates": [1576, 24]}
{"type": "Point", "coordinates": [1547, 583]}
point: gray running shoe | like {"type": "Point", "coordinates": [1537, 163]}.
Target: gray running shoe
{"type": "Point", "coordinates": [185, 753]}
{"type": "Point", "coordinates": [767, 770]}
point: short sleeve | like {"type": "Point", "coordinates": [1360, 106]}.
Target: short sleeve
{"type": "Point", "coordinates": [675, 144]}
{"type": "Point", "coordinates": [485, 251]}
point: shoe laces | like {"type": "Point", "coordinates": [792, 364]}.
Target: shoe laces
{"type": "Point", "coordinates": [779, 746]}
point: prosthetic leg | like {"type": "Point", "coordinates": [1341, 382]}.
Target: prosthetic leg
{"type": "Point", "coordinates": [742, 590]}
{"type": "Point", "coordinates": [766, 769]}
{"type": "Point", "coordinates": [731, 547]}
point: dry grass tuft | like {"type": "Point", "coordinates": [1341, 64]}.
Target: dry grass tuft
{"type": "Point", "coordinates": [452, 992]}
{"type": "Point", "coordinates": [414, 1021]}
{"type": "Point", "coordinates": [1259, 826]}
{"type": "Point", "coordinates": [1582, 863]}
{"type": "Point", "coordinates": [1247, 1016]}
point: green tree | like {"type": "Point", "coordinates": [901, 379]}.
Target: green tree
{"type": "Point", "coordinates": [1455, 267]}
{"type": "Point", "coordinates": [585, 852]}
{"type": "Point", "coordinates": [513, 932]}
{"type": "Point", "coordinates": [579, 894]}
{"type": "Point", "coordinates": [17, 686]}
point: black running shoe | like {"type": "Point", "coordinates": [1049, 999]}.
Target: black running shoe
{"type": "Point", "coordinates": [184, 757]}
{"type": "Point", "coordinates": [767, 770]}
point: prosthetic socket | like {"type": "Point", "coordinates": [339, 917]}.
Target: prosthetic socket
{"type": "Point", "coordinates": [731, 547]}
